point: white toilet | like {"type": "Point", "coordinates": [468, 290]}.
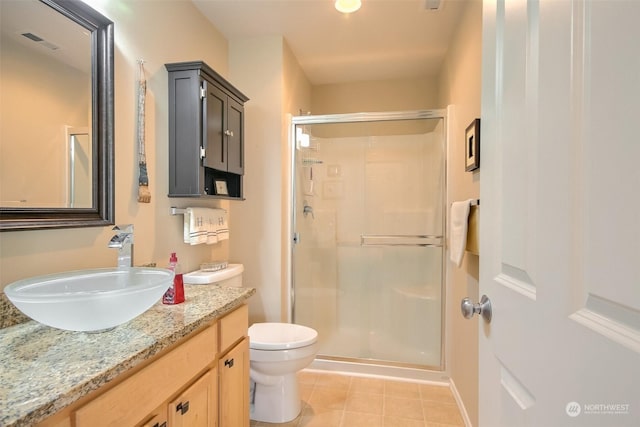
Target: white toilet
{"type": "Point", "coordinates": [277, 352]}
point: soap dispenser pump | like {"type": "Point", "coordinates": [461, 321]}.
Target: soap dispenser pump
{"type": "Point", "coordinates": [175, 293]}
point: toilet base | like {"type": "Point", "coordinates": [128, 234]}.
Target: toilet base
{"type": "Point", "coordinates": [277, 403]}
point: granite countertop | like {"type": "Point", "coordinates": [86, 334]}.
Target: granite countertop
{"type": "Point", "coordinates": [43, 370]}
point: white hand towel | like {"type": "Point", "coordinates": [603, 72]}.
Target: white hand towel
{"type": "Point", "coordinates": [195, 228]}
{"type": "Point", "coordinates": [459, 224]}
{"type": "Point", "coordinates": [222, 225]}
{"type": "Point", "coordinates": [212, 228]}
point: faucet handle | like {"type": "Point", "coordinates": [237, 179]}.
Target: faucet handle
{"type": "Point", "coordinates": [125, 234]}
{"type": "Point", "coordinates": [124, 228]}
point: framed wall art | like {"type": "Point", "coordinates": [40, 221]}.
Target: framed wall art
{"type": "Point", "coordinates": [472, 146]}
{"type": "Point", "coordinates": [221, 188]}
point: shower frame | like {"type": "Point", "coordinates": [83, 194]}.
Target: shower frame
{"type": "Point", "coordinates": [293, 216]}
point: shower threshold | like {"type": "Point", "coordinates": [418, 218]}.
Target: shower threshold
{"type": "Point", "coordinates": [369, 368]}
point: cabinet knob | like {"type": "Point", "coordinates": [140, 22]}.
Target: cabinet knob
{"type": "Point", "coordinates": [228, 132]}
{"type": "Point", "coordinates": [229, 363]}
{"type": "Point", "coordinates": [183, 407]}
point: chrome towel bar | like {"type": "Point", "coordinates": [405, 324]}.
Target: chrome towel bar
{"type": "Point", "coordinates": [182, 211]}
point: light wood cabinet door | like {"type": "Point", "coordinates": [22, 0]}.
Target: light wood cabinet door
{"type": "Point", "coordinates": [159, 420]}
{"type": "Point", "coordinates": [196, 406]}
{"type": "Point", "coordinates": [233, 383]}
{"type": "Point", "coordinates": [233, 327]}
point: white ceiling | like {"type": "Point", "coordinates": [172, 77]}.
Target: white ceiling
{"type": "Point", "coordinates": [385, 39]}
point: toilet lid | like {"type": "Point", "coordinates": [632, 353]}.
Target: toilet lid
{"type": "Point", "coordinates": [280, 336]}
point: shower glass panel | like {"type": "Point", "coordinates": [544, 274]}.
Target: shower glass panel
{"type": "Point", "coordinates": [369, 224]}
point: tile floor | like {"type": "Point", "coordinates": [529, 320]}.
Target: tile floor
{"type": "Point", "coordinates": [336, 400]}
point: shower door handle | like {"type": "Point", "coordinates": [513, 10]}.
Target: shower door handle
{"type": "Point", "coordinates": [483, 308]}
{"type": "Point", "coordinates": [400, 240]}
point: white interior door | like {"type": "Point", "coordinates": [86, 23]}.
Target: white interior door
{"type": "Point", "coordinates": [560, 220]}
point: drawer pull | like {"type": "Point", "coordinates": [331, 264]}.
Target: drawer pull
{"type": "Point", "coordinates": [183, 407]}
{"type": "Point", "coordinates": [164, 424]}
{"type": "Point", "coordinates": [229, 363]}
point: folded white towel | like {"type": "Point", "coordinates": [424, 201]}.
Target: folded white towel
{"type": "Point", "coordinates": [222, 229]}
{"type": "Point", "coordinates": [212, 228]}
{"type": "Point", "coordinates": [195, 226]}
{"type": "Point", "coordinates": [459, 224]}
{"type": "Point", "coordinates": [216, 220]}
{"type": "Point", "coordinates": [205, 225]}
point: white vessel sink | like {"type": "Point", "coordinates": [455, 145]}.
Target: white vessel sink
{"type": "Point", "coordinates": [90, 300]}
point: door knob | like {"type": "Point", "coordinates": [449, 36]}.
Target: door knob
{"type": "Point", "coordinates": [483, 308]}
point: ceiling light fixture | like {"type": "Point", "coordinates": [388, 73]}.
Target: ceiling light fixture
{"type": "Point", "coordinates": [347, 6]}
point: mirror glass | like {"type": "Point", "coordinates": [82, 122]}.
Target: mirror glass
{"type": "Point", "coordinates": [56, 81]}
{"type": "Point", "coordinates": [46, 93]}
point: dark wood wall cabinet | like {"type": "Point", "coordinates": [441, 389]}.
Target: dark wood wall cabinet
{"type": "Point", "coordinates": [206, 133]}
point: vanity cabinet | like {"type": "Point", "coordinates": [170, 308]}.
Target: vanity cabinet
{"type": "Point", "coordinates": [202, 382]}
{"type": "Point", "coordinates": [233, 370]}
{"type": "Point", "coordinates": [206, 133]}
{"type": "Point", "coordinates": [134, 401]}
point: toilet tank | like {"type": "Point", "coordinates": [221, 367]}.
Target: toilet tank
{"type": "Point", "coordinates": [230, 276]}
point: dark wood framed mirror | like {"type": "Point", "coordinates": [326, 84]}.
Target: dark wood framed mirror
{"type": "Point", "coordinates": [57, 174]}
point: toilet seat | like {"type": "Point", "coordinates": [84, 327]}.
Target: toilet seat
{"type": "Point", "coordinates": [280, 336]}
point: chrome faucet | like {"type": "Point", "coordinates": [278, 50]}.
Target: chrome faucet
{"type": "Point", "coordinates": [123, 241]}
{"type": "Point", "coordinates": [307, 209]}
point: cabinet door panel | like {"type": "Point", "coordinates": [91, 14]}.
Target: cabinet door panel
{"type": "Point", "coordinates": [233, 327]}
{"type": "Point", "coordinates": [233, 385]}
{"type": "Point", "coordinates": [214, 140]}
{"type": "Point", "coordinates": [185, 128]}
{"type": "Point", "coordinates": [235, 125]}
{"type": "Point", "coordinates": [196, 406]}
{"type": "Point", "coordinates": [159, 420]}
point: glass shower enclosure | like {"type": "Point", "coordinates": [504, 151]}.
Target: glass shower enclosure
{"type": "Point", "coordinates": [368, 228]}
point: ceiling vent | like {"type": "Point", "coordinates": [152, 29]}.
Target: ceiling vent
{"type": "Point", "coordinates": [40, 41]}
{"type": "Point", "coordinates": [432, 5]}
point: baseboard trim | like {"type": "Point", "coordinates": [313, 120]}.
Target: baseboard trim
{"type": "Point", "coordinates": [461, 407]}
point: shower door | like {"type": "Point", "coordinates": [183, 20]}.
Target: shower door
{"type": "Point", "coordinates": [369, 226]}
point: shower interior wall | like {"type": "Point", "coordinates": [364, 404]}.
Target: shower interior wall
{"type": "Point", "coordinates": [380, 303]}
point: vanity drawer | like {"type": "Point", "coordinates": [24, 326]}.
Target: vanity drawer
{"type": "Point", "coordinates": [233, 327]}
{"type": "Point", "coordinates": [129, 402]}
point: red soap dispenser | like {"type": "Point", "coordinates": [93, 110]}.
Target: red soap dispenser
{"type": "Point", "coordinates": [175, 294]}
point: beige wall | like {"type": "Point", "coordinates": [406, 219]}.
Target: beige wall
{"type": "Point", "coordinates": [459, 86]}
{"type": "Point", "coordinates": [387, 95]}
{"type": "Point", "coordinates": [297, 98]}
{"type": "Point", "coordinates": [257, 66]}
{"type": "Point", "coordinates": [268, 74]}
{"type": "Point", "coordinates": [158, 32]}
